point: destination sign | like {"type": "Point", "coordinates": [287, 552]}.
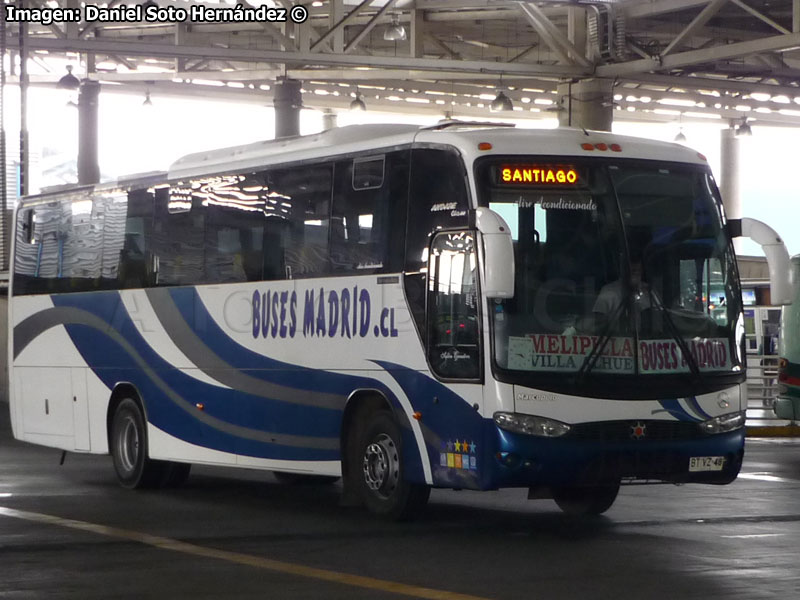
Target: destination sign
{"type": "Point", "coordinates": [547, 175]}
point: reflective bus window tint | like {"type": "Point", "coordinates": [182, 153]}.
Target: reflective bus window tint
{"type": "Point", "coordinates": [114, 210]}
{"type": "Point", "coordinates": [358, 223]}
{"type": "Point", "coordinates": [234, 222]}
{"type": "Point", "coordinates": [368, 172]}
{"type": "Point", "coordinates": [137, 263]}
{"type": "Point", "coordinates": [437, 199]}
{"type": "Point", "coordinates": [81, 235]}
{"type": "Point", "coordinates": [179, 237]}
{"type": "Point", "coordinates": [38, 260]}
{"type": "Point", "coordinates": [302, 196]}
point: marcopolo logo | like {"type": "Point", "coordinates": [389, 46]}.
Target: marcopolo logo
{"type": "Point", "coordinates": [345, 313]}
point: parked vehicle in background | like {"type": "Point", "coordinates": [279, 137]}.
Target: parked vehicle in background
{"type": "Point", "coordinates": [787, 405]}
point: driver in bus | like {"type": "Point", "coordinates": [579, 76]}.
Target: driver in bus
{"type": "Point", "coordinates": [610, 304]}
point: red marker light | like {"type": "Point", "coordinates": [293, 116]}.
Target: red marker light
{"type": "Point", "coordinates": [587, 146]}
{"type": "Point", "coordinates": [615, 148]}
{"type": "Point", "coordinates": [484, 146]}
{"type": "Point", "coordinates": [601, 146]}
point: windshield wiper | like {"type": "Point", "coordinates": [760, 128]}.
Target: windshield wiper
{"type": "Point", "coordinates": [602, 340]}
{"type": "Point", "coordinates": [676, 335]}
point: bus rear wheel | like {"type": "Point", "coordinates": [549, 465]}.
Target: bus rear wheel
{"type": "Point", "coordinates": [129, 449]}
{"type": "Point", "coordinates": [586, 499]}
{"type": "Point", "coordinates": [380, 471]}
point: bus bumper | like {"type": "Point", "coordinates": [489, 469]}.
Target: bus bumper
{"type": "Point", "coordinates": [521, 460]}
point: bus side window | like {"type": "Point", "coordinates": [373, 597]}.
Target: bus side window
{"type": "Point", "coordinates": [36, 252]}
{"type": "Point", "coordinates": [39, 261]}
{"type": "Point", "coordinates": [453, 325]}
{"type": "Point", "coordinates": [362, 201]}
{"type": "Point", "coordinates": [137, 264]}
{"type": "Point", "coordinates": [81, 239]}
{"type": "Point", "coordinates": [234, 228]}
{"type": "Point", "coordinates": [302, 195]}
{"type": "Point", "coordinates": [179, 235]}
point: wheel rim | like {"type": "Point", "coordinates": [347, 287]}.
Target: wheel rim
{"type": "Point", "coordinates": [128, 445]}
{"type": "Point", "coordinates": [382, 466]}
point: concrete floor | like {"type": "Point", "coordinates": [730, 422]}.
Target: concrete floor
{"type": "Point", "coordinates": [70, 532]}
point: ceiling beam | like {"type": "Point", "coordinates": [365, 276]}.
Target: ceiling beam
{"type": "Point", "coordinates": [697, 23]}
{"type": "Point", "coordinates": [368, 27]}
{"type": "Point", "coordinates": [693, 57]}
{"type": "Point", "coordinates": [249, 55]}
{"type": "Point", "coordinates": [650, 8]}
{"type": "Point", "coordinates": [760, 16]}
{"type": "Point", "coordinates": [340, 25]}
{"type": "Point", "coordinates": [709, 83]}
{"type": "Point", "coordinates": [553, 36]}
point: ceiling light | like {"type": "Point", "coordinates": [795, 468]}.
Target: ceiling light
{"type": "Point", "coordinates": [680, 137]}
{"type": "Point", "coordinates": [147, 101]}
{"type": "Point", "coordinates": [743, 129]}
{"type": "Point", "coordinates": [394, 32]}
{"type": "Point", "coordinates": [501, 102]}
{"type": "Point", "coordinates": [358, 103]}
{"type": "Point", "coordinates": [69, 81]}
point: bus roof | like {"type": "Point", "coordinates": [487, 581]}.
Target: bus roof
{"type": "Point", "coordinates": [464, 136]}
{"type": "Point", "coordinates": [504, 140]}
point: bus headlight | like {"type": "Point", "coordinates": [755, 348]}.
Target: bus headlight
{"type": "Point", "coordinates": [724, 423]}
{"type": "Point", "coordinates": [530, 425]}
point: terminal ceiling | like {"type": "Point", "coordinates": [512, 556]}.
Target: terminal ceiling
{"type": "Point", "coordinates": [666, 59]}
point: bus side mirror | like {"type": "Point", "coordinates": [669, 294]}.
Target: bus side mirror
{"type": "Point", "coordinates": [781, 284]}
{"type": "Point", "coordinates": [498, 254]}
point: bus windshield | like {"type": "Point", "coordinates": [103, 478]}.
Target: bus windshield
{"type": "Point", "coordinates": [624, 273]}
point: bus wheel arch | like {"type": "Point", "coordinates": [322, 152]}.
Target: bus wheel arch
{"type": "Point", "coordinates": [373, 462]}
{"type": "Point", "coordinates": [119, 393]}
{"type": "Point", "coordinates": [126, 429]}
{"type": "Point", "coordinates": [360, 405]}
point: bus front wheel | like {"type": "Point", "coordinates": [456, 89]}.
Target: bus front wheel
{"type": "Point", "coordinates": [380, 470]}
{"type": "Point", "coordinates": [586, 499]}
{"type": "Point", "coordinates": [129, 449]}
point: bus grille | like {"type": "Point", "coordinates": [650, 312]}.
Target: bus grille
{"type": "Point", "coordinates": [643, 430]}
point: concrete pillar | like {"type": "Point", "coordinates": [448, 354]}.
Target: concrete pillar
{"type": "Point", "coordinates": [328, 120]}
{"type": "Point", "coordinates": [288, 100]}
{"type": "Point", "coordinates": [417, 25]}
{"type": "Point", "coordinates": [729, 178]}
{"type": "Point", "coordinates": [588, 104]}
{"type": "Point", "coordinates": [88, 165]}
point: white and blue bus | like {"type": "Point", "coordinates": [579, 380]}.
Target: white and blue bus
{"type": "Point", "coordinates": [459, 306]}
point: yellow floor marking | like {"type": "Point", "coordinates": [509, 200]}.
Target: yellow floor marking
{"type": "Point", "coordinates": [242, 559]}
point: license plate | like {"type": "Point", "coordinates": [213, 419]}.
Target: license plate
{"type": "Point", "coordinates": [706, 463]}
